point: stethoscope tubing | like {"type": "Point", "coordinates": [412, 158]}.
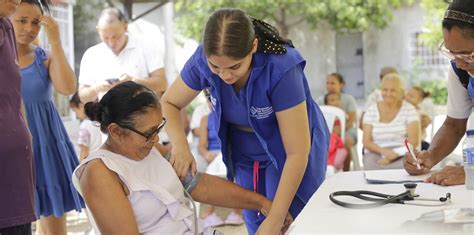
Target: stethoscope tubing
{"type": "Point", "coordinates": [406, 198]}
{"type": "Point", "coordinates": [376, 202]}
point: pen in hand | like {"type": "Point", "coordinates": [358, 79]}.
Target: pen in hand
{"type": "Point", "coordinates": [412, 153]}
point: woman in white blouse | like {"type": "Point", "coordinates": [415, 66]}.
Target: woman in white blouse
{"type": "Point", "coordinates": [386, 124]}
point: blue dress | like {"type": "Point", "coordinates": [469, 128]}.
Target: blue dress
{"type": "Point", "coordinates": [54, 154]}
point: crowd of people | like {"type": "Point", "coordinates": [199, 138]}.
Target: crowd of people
{"type": "Point", "coordinates": [261, 144]}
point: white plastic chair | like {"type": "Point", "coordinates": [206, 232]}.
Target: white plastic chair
{"type": "Point", "coordinates": [330, 114]}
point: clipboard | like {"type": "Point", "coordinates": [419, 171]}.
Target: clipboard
{"type": "Point", "coordinates": [397, 176]}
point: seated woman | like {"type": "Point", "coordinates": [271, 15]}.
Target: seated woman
{"type": "Point", "coordinates": [386, 124]}
{"type": "Point", "coordinates": [130, 188]}
{"type": "Point", "coordinates": [335, 84]}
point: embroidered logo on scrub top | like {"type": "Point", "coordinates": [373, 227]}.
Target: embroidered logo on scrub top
{"type": "Point", "coordinates": [261, 113]}
{"type": "Point", "coordinates": [213, 102]}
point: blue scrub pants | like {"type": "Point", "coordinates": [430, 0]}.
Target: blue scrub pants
{"type": "Point", "coordinates": [267, 186]}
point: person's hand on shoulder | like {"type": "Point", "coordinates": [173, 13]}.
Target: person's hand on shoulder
{"type": "Point", "coordinates": [450, 175]}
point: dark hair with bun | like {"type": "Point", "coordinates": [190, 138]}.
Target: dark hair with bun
{"type": "Point", "coordinates": [230, 32]}
{"type": "Point", "coordinates": [121, 104]}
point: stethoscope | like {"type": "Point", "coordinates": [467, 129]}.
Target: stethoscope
{"type": "Point", "coordinates": [379, 199]}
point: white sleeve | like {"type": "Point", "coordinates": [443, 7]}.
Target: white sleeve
{"type": "Point", "coordinates": [154, 56]}
{"type": "Point", "coordinates": [459, 102]}
{"type": "Point", "coordinates": [371, 115]}
{"type": "Point", "coordinates": [86, 69]}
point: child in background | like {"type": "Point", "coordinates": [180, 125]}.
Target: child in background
{"type": "Point", "coordinates": [415, 96]}
{"type": "Point", "coordinates": [90, 137]}
{"type": "Point", "coordinates": [337, 152]}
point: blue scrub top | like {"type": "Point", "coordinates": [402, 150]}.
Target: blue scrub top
{"type": "Point", "coordinates": [276, 83]}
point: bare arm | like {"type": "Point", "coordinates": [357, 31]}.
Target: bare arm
{"type": "Point", "coordinates": [351, 120]}
{"type": "Point", "coordinates": [105, 196]}
{"type": "Point", "coordinates": [413, 133]}
{"type": "Point", "coordinates": [367, 140]}
{"type": "Point", "coordinates": [294, 128]}
{"type": "Point", "coordinates": [220, 192]}
{"type": "Point", "coordinates": [174, 100]}
{"type": "Point", "coordinates": [444, 142]}
{"type": "Point", "coordinates": [62, 76]}
{"type": "Point", "coordinates": [425, 121]}
{"type": "Point", "coordinates": [203, 139]}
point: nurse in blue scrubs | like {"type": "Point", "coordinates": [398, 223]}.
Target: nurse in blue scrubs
{"type": "Point", "coordinates": [273, 135]}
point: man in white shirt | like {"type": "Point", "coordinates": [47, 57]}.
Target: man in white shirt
{"type": "Point", "coordinates": [118, 58]}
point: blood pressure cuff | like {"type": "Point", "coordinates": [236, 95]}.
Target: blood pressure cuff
{"type": "Point", "coordinates": [189, 182]}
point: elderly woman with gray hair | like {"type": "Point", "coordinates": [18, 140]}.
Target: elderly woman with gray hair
{"type": "Point", "coordinates": [386, 124]}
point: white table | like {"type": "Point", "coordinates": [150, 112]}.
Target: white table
{"type": "Point", "coordinates": [321, 216]}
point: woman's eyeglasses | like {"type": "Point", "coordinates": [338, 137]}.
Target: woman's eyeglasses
{"type": "Point", "coordinates": [149, 136]}
{"type": "Point", "coordinates": [466, 57]}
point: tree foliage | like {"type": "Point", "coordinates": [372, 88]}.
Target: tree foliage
{"type": "Point", "coordinates": [343, 15]}
{"type": "Point", "coordinates": [433, 17]}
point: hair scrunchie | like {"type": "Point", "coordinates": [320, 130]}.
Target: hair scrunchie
{"type": "Point", "coordinates": [269, 39]}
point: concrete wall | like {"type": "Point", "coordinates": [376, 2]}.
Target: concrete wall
{"type": "Point", "coordinates": [318, 48]}
{"type": "Point", "coordinates": [390, 46]}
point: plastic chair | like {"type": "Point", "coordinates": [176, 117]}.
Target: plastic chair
{"type": "Point", "coordinates": [330, 114]}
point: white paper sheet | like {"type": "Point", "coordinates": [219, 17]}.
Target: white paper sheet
{"type": "Point", "coordinates": [393, 177]}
